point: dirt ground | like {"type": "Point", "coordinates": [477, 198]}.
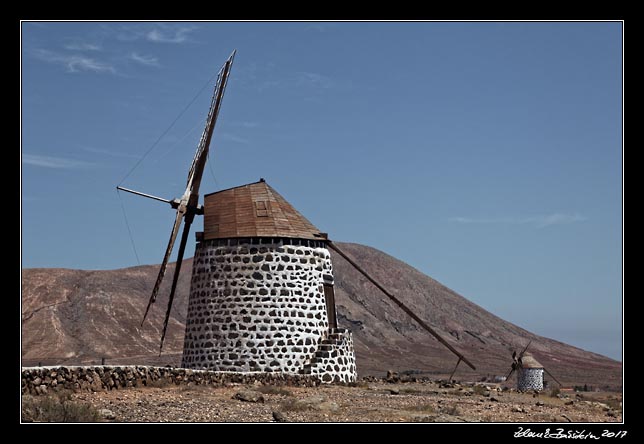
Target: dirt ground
{"type": "Point", "coordinates": [366, 402]}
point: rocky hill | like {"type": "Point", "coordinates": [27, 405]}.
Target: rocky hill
{"type": "Point", "coordinates": [78, 316]}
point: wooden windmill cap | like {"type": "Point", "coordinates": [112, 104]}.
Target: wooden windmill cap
{"type": "Point", "coordinates": [528, 361]}
{"type": "Point", "coordinates": [254, 210]}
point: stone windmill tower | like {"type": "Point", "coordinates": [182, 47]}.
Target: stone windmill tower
{"type": "Point", "coordinates": [529, 374]}
{"type": "Point", "coordinates": [262, 296]}
{"type": "Point", "coordinates": [529, 371]}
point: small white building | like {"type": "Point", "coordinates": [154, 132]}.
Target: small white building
{"type": "Point", "coordinates": [529, 374]}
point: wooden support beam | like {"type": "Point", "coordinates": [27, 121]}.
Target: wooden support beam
{"type": "Point", "coordinates": [455, 367]}
{"type": "Point", "coordinates": [555, 379]}
{"type": "Point", "coordinates": [400, 304]}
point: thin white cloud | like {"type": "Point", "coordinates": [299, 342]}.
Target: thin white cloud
{"type": "Point", "coordinates": [539, 221]}
{"type": "Point", "coordinates": [109, 152]}
{"type": "Point", "coordinates": [147, 60]}
{"type": "Point", "coordinates": [313, 79]}
{"type": "Point", "coordinates": [152, 32]}
{"type": "Point", "coordinates": [558, 219]}
{"type": "Point", "coordinates": [234, 138]}
{"type": "Point", "coordinates": [164, 34]}
{"type": "Point", "coordinates": [75, 63]}
{"type": "Point", "coordinates": [54, 162]}
{"type": "Point", "coordinates": [82, 46]}
{"type": "Point", "coordinates": [268, 84]}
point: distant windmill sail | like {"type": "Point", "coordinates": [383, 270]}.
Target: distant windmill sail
{"type": "Point", "coordinates": [517, 360]}
{"type": "Point", "coordinates": [188, 205]}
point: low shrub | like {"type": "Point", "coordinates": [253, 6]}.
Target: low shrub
{"type": "Point", "coordinates": [57, 407]}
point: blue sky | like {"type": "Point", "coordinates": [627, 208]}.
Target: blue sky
{"type": "Point", "coordinates": [486, 155]}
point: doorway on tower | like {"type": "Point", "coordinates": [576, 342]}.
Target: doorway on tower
{"type": "Point", "coordinates": [329, 296]}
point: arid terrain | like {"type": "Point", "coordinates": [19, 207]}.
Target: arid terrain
{"type": "Point", "coordinates": [81, 316]}
{"type": "Point", "coordinates": [375, 401]}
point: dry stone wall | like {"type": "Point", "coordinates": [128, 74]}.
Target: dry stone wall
{"type": "Point", "coordinates": [41, 380]}
{"type": "Point", "coordinates": [257, 304]}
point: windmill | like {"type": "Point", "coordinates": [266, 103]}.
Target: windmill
{"type": "Point", "coordinates": [262, 290]}
{"type": "Point", "coordinates": [187, 206]}
{"type": "Point", "coordinates": [529, 371]}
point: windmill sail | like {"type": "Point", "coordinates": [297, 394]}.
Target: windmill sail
{"type": "Point", "coordinates": [517, 360]}
{"type": "Point", "coordinates": [164, 264]}
{"type": "Point", "coordinates": [175, 279]}
{"type": "Point", "coordinates": [199, 161]}
{"type": "Point", "coordinates": [187, 206]}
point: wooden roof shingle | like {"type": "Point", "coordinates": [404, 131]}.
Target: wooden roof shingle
{"type": "Point", "coordinates": [253, 210]}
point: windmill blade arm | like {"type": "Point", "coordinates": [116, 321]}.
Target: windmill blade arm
{"type": "Point", "coordinates": [401, 305]}
{"type": "Point", "coordinates": [175, 278]}
{"type": "Point", "coordinates": [164, 264]}
{"type": "Point", "coordinates": [173, 203]}
{"type": "Point", "coordinates": [525, 349]}
{"type": "Point", "coordinates": [196, 170]}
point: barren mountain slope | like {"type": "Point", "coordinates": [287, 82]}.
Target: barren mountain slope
{"type": "Point", "coordinates": [76, 316]}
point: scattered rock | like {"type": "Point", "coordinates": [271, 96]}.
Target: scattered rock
{"type": "Point", "coordinates": [313, 400]}
{"type": "Point", "coordinates": [249, 396]}
{"type": "Point", "coordinates": [603, 406]}
{"type": "Point", "coordinates": [392, 376]}
{"type": "Point", "coordinates": [279, 416]}
{"type": "Point", "coordinates": [571, 402]}
{"type": "Point", "coordinates": [394, 391]}
{"type": "Point", "coordinates": [518, 410]}
{"type": "Point", "coordinates": [540, 403]}
{"type": "Point", "coordinates": [107, 414]}
{"type": "Point", "coordinates": [493, 399]}
{"type": "Point", "coordinates": [611, 414]}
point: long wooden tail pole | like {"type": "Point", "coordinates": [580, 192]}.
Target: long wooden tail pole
{"type": "Point", "coordinates": [555, 379]}
{"type": "Point", "coordinates": [400, 304]}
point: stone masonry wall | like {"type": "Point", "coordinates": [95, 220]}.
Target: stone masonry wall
{"type": "Point", "coordinates": [257, 305]}
{"type": "Point", "coordinates": [530, 379]}
{"type": "Point", "coordinates": [335, 360]}
{"type": "Point", "coordinates": [40, 380]}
